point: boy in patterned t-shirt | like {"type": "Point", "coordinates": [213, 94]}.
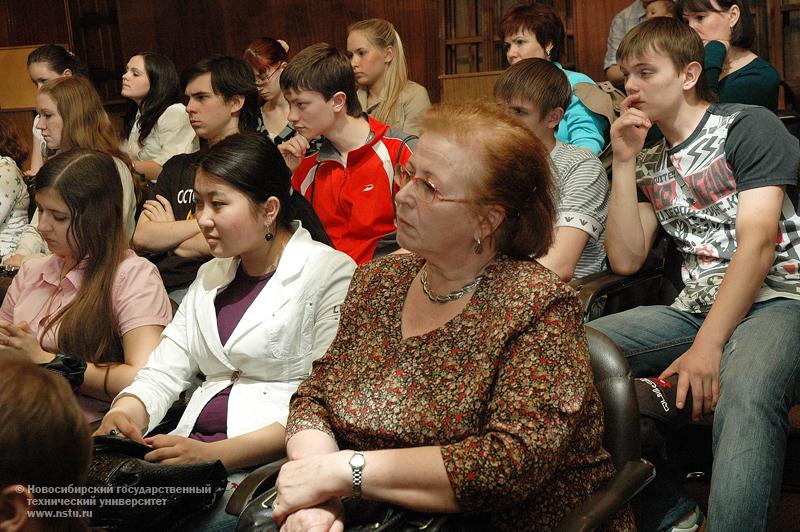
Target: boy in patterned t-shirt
{"type": "Point", "coordinates": [723, 185]}
{"type": "Point", "coordinates": [538, 92]}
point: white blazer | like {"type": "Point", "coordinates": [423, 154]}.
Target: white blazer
{"type": "Point", "coordinates": [290, 324]}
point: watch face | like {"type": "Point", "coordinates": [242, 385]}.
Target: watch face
{"type": "Point", "coordinates": [357, 460]}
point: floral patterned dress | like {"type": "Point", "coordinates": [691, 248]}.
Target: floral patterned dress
{"type": "Point", "coordinates": [505, 389]}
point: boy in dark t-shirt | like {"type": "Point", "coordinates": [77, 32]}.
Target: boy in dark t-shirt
{"type": "Point", "coordinates": [176, 185]}
{"type": "Point", "coordinates": [223, 100]}
{"type": "Point", "coordinates": [723, 184]}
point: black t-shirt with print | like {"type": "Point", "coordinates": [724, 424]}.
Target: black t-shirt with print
{"type": "Point", "coordinates": [176, 183]}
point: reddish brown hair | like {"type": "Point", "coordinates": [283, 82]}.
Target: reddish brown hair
{"type": "Point", "coordinates": [11, 144]}
{"type": "Point", "coordinates": [43, 434]}
{"type": "Point", "coordinates": [511, 171]}
{"type": "Point", "coordinates": [265, 52]}
{"type": "Point", "coordinates": [539, 19]}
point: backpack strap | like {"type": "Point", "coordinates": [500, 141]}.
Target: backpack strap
{"type": "Point", "coordinates": [601, 98]}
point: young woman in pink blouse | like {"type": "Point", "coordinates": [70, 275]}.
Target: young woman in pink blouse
{"type": "Point", "coordinates": [93, 299]}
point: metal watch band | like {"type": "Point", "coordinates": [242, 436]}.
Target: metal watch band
{"type": "Point", "coordinates": [357, 483]}
{"type": "Point", "coordinates": [357, 466]}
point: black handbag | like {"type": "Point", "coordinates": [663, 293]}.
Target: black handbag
{"type": "Point", "coordinates": [364, 516]}
{"type": "Point", "coordinates": [132, 494]}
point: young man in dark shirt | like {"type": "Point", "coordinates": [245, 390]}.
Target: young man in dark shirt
{"type": "Point", "coordinates": [223, 100]}
{"type": "Point", "coordinates": [723, 184]}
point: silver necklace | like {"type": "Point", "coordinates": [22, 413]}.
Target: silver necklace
{"type": "Point", "coordinates": [452, 296]}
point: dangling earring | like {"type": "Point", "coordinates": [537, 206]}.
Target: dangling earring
{"type": "Point", "coordinates": [548, 54]}
{"type": "Point", "coordinates": [478, 246]}
{"type": "Point", "coordinates": [269, 235]}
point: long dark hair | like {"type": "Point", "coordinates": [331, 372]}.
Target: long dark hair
{"type": "Point", "coordinates": [165, 90]}
{"type": "Point", "coordinates": [88, 182]}
{"type": "Point", "coordinates": [251, 163]}
{"type": "Point", "coordinates": [743, 33]}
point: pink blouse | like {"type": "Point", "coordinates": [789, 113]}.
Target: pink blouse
{"type": "Point", "coordinates": [138, 295]}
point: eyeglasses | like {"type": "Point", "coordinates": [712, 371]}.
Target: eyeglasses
{"type": "Point", "coordinates": [264, 77]}
{"type": "Point", "coordinates": [423, 189]}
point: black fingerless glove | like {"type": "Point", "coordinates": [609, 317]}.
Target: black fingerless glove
{"type": "Point", "coordinates": [70, 368]}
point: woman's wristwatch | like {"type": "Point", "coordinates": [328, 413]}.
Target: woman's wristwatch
{"type": "Point", "coordinates": [357, 463]}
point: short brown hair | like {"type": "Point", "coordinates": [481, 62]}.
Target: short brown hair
{"type": "Point", "coordinates": [324, 69]}
{"type": "Point", "coordinates": [669, 37]}
{"type": "Point", "coordinates": [43, 433]}
{"type": "Point", "coordinates": [539, 19]}
{"type": "Point", "coordinates": [512, 172]}
{"type": "Point", "coordinates": [537, 81]}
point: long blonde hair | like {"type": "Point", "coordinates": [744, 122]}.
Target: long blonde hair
{"type": "Point", "coordinates": [381, 33]}
{"type": "Point", "coordinates": [85, 121]}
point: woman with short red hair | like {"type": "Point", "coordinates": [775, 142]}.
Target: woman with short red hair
{"type": "Point", "coordinates": [536, 31]}
{"type": "Point", "coordinates": [268, 57]}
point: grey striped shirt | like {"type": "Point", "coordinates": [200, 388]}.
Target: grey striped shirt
{"type": "Point", "coordinates": [583, 194]}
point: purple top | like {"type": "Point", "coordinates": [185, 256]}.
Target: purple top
{"type": "Point", "coordinates": [233, 301]}
{"type": "Point", "coordinates": [212, 423]}
{"type": "Point", "coordinates": [231, 304]}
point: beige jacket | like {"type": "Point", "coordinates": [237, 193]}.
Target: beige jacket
{"type": "Point", "coordinates": [413, 102]}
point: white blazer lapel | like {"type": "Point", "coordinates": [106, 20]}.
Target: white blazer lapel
{"type": "Point", "coordinates": [281, 288]}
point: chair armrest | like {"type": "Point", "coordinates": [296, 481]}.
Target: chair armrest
{"type": "Point", "coordinates": [254, 484]}
{"type": "Point", "coordinates": [639, 289]}
{"type": "Point", "coordinates": [609, 499]}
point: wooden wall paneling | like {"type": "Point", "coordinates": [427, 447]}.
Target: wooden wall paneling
{"type": "Point", "coordinates": [775, 24]}
{"type": "Point", "coordinates": [458, 88]}
{"type": "Point", "coordinates": [96, 34]}
{"type": "Point", "coordinates": [298, 23]}
{"type": "Point", "coordinates": [5, 24]}
{"type": "Point", "coordinates": [187, 30]}
{"type": "Point", "coordinates": [417, 22]}
{"type": "Point", "coordinates": [184, 30]}
{"type": "Point", "coordinates": [137, 27]}
{"type": "Point", "coordinates": [592, 22]}
{"type": "Point", "coordinates": [37, 22]}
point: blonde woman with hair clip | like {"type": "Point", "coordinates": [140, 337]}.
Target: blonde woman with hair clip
{"type": "Point", "coordinates": [379, 64]}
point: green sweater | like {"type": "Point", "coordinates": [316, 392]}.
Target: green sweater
{"type": "Point", "coordinates": [756, 83]}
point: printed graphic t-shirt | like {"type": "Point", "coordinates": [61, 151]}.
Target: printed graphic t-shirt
{"type": "Point", "coordinates": [694, 189]}
{"type": "Point", "coordinates": [176, 183]}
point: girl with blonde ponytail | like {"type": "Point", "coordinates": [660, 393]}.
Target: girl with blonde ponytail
{"type": "Point", "coordinates": [379, 64]}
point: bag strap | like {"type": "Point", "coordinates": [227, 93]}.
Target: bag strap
{"type": "Point", "coordinates": [598, 98]}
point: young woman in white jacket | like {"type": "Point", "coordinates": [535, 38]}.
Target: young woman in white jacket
{"type": "Point", "coordinates": [252, 323]}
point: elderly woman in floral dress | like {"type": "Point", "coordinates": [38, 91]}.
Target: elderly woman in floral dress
{"type": "Point", "coordinates": [459, 380]}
